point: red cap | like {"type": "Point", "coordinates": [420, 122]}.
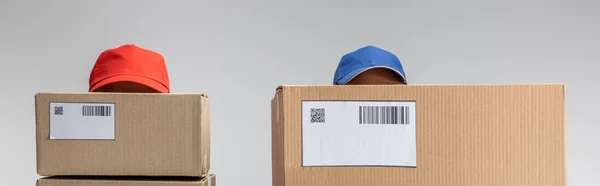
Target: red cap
{"type": "Point", "coordinates": [130, 63]}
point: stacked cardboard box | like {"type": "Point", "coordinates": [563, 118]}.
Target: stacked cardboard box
{"type": "Point", "coordinates": [123, 139]}
{"type": "Point", "coordinates": [419, 135]}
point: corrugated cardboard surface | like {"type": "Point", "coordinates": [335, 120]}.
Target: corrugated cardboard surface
{"type": "Point", "coordinates": [208, 181]}
{"type": "Point", "coordinates": [467, 135]}
{"type": "Point", "coordinates": [156, 135]}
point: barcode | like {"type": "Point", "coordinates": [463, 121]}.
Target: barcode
{"type": "Point", "coordinates": [383, 115]}
{"type": "Point", "coordinates": [96, 110]}
{"type": "Point", "coordinates": [58, 110]}
{"type": "Point", "coordinates": [317, 115]}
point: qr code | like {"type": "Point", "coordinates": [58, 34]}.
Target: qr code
{"type": "Point", "coordinates": [317, 115]}
{"type": "Point", "coordinates": [58, 110]}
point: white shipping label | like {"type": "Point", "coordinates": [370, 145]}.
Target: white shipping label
{"type": "Point", "coordinates": [82, 121]}
{"type": "Point", "coordinates": [359, 133]}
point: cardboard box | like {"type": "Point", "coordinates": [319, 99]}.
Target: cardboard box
{"type": "Point", "coordinates": [125, 181]}
{"type": "Point", "coordinates": [122, 134]}
{"type": "Point", "coordinates": [419, 135]}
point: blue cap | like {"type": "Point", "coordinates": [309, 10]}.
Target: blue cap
{"type": "Point", "coordinates": [364, 59]}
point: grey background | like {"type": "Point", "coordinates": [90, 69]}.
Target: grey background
{"type": "Point", "coordinates": [238, 52]}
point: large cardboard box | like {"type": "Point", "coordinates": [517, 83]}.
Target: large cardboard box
{"type": "Point", "coordinates": [122, 134]}
{"type": "Point", "coordinates": [419, 135]}
{"type": "Point", "coordinates": [210, 180]}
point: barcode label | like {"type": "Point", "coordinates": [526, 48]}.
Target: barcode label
{"type": "Point", "coordinates": [376, 133]}
{"type": "Point", "coordinates": [384, 115]}
{"type": "Point", "coordinates": [96, 110]}
{"type": "Point", "coordinates": [82, 121]}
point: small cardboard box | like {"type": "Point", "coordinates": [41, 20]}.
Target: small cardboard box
{"type": "Point", "coordinates": [122, 134]}
{"type": "Point", "coordinates": [419, 135]}
{"type": "Point", "coordinates": [125, 181]}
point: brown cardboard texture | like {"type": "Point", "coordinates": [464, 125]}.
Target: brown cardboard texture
{"type": "Point", "coordinates": [419, 135]}
{"type": "Point", "coordinates": [125, 181]}
{"type": "Point", "coordinates": [122, 134]}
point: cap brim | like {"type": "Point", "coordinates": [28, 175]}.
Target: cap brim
{"type": "Point", "coordinates": [131, 78]}
{"type": "Point", "coordinates": [351, 75]}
